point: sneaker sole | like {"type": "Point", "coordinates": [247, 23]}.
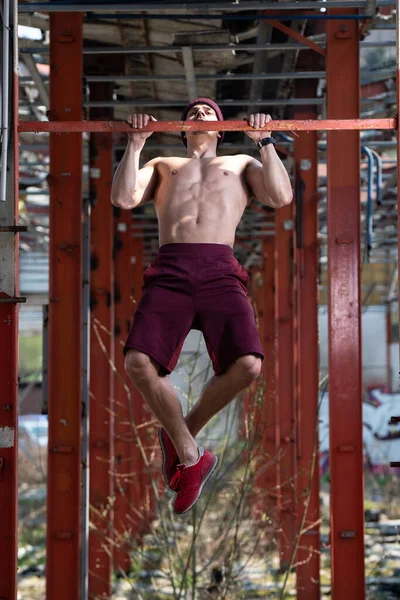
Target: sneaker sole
{"type": "Point", "coordinates": [164, 455]}
{"type": "Point", "coordinates": [207, 477]}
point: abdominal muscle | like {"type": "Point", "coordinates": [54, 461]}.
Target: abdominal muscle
{"type": "Point", "coordinates": [199, 211]}
{"type": "Point", "coordinates": [197, 224]}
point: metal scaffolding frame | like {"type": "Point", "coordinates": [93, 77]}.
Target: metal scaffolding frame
{"type": "Point", "coordinates": [284, 382]}
{"type": "Point", "coordinates": [344, 301]}
{"type": "Point", "coordinates": [178, 126]}
{"type": "Point", "coordinates": [275, 47]}
{"type": "Point", "coordinates": [101, 378]}
{"type": "Point", "coordinates": [64, 576]}
{"type": "Point", "coordinates": [9, 300]}
{"type": "Point", "coordinates": [214, 6]}
{"type": "Point", "coordinates": [64, 518]}
{"type": "Point", "coordinates": [306, 372]}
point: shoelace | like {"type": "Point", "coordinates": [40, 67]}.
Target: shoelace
{"type": "Point", "coordinates": [176, 480]}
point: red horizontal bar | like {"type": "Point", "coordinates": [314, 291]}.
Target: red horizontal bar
{"type": "Point", "coordinates": [117, 126]}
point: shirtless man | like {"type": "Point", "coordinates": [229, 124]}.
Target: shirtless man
{"type": "Point", "coordinates": [195, 282]}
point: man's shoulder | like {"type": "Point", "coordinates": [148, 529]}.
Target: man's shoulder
{"type": "Point", "coordinates": [159, 161]}
{"type": "Point", "coordinates": [241, 156]}
{"type": "Point", "coordinates": [234, 157]}
{"type": "Point", "coordinates": [245, 160]}
{"type": "Point", "coordinates": [171, 159]}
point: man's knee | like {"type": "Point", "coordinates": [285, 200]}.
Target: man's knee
{"type": "Point", "coordinates": [250, 366]}
{"type": "Point", "coordinates": [139, 367]}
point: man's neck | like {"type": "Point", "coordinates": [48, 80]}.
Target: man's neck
{"type": "Point", "coordinates": [201, 151]}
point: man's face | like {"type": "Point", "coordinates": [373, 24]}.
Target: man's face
{"type": "Point", "coordinates": [201, 112]}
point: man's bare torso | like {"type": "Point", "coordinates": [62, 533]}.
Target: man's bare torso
{"type": "Point", "coordinates": [200, 200]}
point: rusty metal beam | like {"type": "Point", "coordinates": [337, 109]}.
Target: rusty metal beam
{"type": "Point", "coordinates": [306, 362]}
{"type": "Point", "coordinates": [268, 479]}
{"type": "Point", "coordinates": [128, 462]}
{"type": "Point", "coordinates": [163, 126]}
{"type": "Point", "coordinates": [228, 6]}
{"type": "Point", "coordinates": [101, 376]}
{"type": "Point", "coordinates": [122, 470]}
{"type": "Point", "coordinates": [297, 36]}
{"type": "Point", "coordinates": [8, 443]}
{"type": "Point", "coordinates": [398, 135]}
{"type": "Point", "coordinates": [253, 423]}
{"type": "Point", "coordinates": [170, 48]}
{"type": "Point", "coordinates": [9, 243]}
{"type": "Point", "coordinates": [65, 314]}
{"type": "Point", "coordinates": [141, 498]}
{"type": "Point", "coordinates": [344, 302]}
{"type": "Point", "coordinates": [284, 380]}
{"type": "Point", "coordinates": [131, 478]}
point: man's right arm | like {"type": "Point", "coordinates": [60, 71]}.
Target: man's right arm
{"type": "Point", "coordinates": [133, 186]}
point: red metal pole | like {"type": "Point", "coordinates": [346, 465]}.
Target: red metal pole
{"type": "Point", "coordinates": [253, 409]}
{"type": "Point", "coordinates": [295, 35]}
{"type": "Point", "coordinates": [388, 310]}
{"type": "Point", "coordinates": [101, 376]}
{"type": "Point", "coordinates": [141, 498]}
{"type": "Point", "coordinates": [278, 125]}
{"type": "Point", "coordinates": [345, 401]}
{"type": "Point", "coordinates": [398, 142]}
{"type": "Point", "coordinates": [129, 468]}
{"type": "Point", "coordinates": [123, 435]}
{"type": "Point", "coordinates": [306, 359]}
{"type": "Point", "coordinates": [267, 480]}
{"type": "Point", "coordinates": [8, 442]}
{"type": "Point", "coordinates": [65, 313]}
{"type": "Point", "coordinates": [285, 379]}
{"type": "Point", "coordinates": [9, 356]}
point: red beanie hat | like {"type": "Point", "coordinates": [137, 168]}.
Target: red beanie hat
{"type": "Point", "coordinates": [210, 103]}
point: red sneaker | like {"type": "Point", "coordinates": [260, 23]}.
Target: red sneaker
{"type": "Point", "coordinates": [189, 481]}
{"type": "Point", "coordinates": [170, 457]}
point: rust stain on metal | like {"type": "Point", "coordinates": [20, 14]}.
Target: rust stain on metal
{"type": "Point", "coordinates": [62, 450]}
{"type": "Point", "coordinates": [347, 535]}
{"type": "Point", "coordinates": [7, 437]}
{"type": "Point", "coordinates": [163, 126]}
{"type": "Point", "coordinates": [344, 448]}
{"type": "Point", "coordinates": [63, 535]}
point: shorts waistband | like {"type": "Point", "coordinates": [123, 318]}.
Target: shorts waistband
{"type": "Point", "coordinates": [185, 249]}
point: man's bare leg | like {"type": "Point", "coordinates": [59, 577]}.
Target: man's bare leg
{"type": "Point", "coordinates": [162, 400]}
{"type": "Point", "coordinates": [221, 390]}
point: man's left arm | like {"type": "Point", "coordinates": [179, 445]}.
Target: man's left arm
{"type": "Point", "coordinates": [268, 179]}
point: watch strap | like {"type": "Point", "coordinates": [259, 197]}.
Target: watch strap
{"type": "Point", "coordinates": [265, 141]}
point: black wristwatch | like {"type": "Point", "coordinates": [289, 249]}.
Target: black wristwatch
{"type": "Point", "coordinates": [265, 142]}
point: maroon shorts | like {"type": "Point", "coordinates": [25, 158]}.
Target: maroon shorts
{"type": "Point", "coordinates": [194, 286]}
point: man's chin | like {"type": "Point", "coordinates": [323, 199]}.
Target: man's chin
{"type": "Point", "coordinates": [202, 132]}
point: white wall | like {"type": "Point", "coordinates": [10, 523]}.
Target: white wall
{"type": "Point", "coordinates": [373, 347]}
